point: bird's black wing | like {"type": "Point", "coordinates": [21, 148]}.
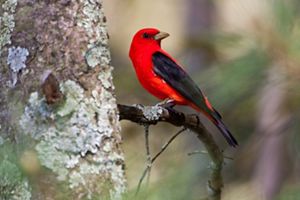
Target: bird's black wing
{"type": "Point", "coordinates": [177, 78]}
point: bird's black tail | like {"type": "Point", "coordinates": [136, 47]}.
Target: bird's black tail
{"type": "Point", "coordinates": [224, 130]}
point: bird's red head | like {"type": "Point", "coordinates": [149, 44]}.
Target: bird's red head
{"type": "Point", "coordinates": [146, 39]}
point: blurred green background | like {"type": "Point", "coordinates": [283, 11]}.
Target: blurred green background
{"type": "Point", "coordinates": [245, 56]}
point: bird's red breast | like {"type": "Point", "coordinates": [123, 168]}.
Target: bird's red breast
{"type": "Point", "coordinates": [143, 46]}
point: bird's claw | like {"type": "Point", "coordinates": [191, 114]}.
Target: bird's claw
{"type": "Point", "coordinates": [166, 103]}
{"type": "Point", "coordinates": [139, 106]}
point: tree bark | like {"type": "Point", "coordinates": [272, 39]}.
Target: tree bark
{"type": "Point", "coordinates": [57, 109]}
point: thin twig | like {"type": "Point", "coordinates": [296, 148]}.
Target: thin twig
{"type": "Point", "coordinates": [205, 152]}
{"type": "Point", "coordinates": [148, 154]}
{"type": "Point", "coordinates": [164, 147]}
{"type": "Point", "coordinates": [147, 170]}
{"type": "Point", "coordinates": [197, 152]}
{"type": "Point", "coordinates": [148, 160]}
{"type": "Point", "coordinates": [141, 180]}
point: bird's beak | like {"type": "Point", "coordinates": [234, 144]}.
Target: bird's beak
{"type": "Point", "coordinates": [161, 35]}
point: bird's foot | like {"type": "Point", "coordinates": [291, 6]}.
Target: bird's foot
{"type": "Point", "coordinates": [139, 106]}
{"type": "Point", "coordinates": [197, 118]}
{"type": "Point", "coordinates": [166, 103]}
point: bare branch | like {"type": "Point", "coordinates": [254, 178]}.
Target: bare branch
{"type": "Point", "coordinates": [164, 147]}
{"type": "Point", "coordinates": [192, 122]}
{"type": "Point", "coordinates": [149, 165]}
{"type": "Point", "coordinates": [148, 154]}
{"type": "Point", "coordinates": [147, 170]}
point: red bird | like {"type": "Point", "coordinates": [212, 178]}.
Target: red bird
{"type": "Point", "coordinates": [163, 77]}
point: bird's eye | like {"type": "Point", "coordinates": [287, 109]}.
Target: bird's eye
{"type": "Point", "coordinates": [146, 35]}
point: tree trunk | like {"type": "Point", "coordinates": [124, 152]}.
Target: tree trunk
{"type": "Point", "coordinates": [58, 114]}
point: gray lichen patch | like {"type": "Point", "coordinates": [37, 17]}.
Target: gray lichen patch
{"type": "Point", "coordinates": [74, 94]}
{"type": "Point", "coordinates": [68, 135]}
{"type": "Point", "coordinates": [35, 117]}
{"type": "Point", "coordinates": [16, 58]}
{"type": "Point", "coordinates": [7, 22]}
{"type": "Point", "coordinates": [9, 5]}
{"type": "Point", "coordinates": [152, 112]}
{"type": "Point", "coordinates": [105, 76]}
{"type": "Point", "coordinates": [91, 19]}
{"type": "Point", "coordinates": [22, 191]}
{"type": "Point", "coordinates": [98, 55]}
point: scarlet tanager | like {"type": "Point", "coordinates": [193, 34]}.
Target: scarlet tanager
{"type": "Point", "coordinates": [163, 77]}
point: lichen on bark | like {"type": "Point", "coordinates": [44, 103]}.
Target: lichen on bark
{"type": "Point", "coordinates": [76, 140]}
{"type": "Point", "coordinates": [79, 138]}
{"type": "Point", "coordinates": [7, 22]}
{"type": "Point", "coordinates": [16, 60]}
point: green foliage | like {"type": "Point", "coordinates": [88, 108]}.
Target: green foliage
{"type": "Point", "coordinates": [176, 185]}
{"type": "Point", "coordinates": [12, 183]}
{"type": "Point", "coordinates": [290, 193]}
{"type": "Point", "coordinates": [284, 15]}
{"type": "Point", "coordinates": [237, 80]}
{"type": "Point", "coordinates": [10, 178]}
